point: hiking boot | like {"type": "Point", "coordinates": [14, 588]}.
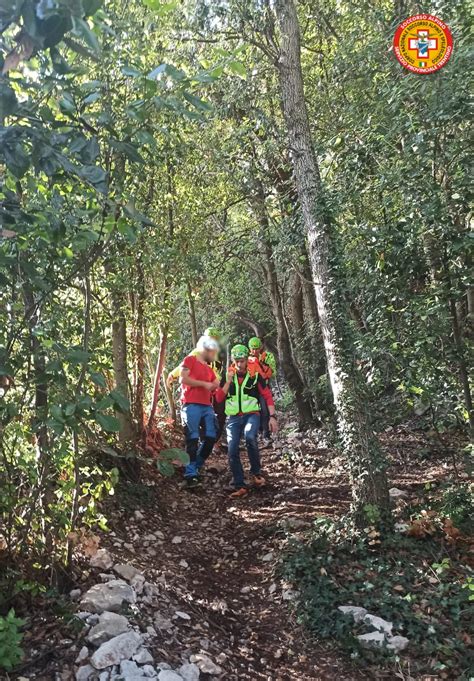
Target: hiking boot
{"type": "Point", "coordinates": [241, 492]}
{"type": "Point", "coordinates": [259, 480]}
{"type": "Point", "coordinates": [190, 483]}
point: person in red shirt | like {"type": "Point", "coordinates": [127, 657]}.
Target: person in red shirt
{"type": "Point", "coordinates": [242, 392]}
{"type": "Point", "coordinates": [198, 382]}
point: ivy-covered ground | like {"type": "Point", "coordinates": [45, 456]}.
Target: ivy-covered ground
{"type": "Point", "coordinates": [420, 578]}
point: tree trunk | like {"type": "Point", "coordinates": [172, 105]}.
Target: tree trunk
{"type": "Point", "coordinates": [192, 315]}
{"type": "Point", "coordinates": [169, 395]}
{"type": "Point", "coordinates": [160, 363]}
{"type": "Point", "coordinates": [44, 490]}
{"type": "Point", "coordinates": [164, 327]}
{"type": "Point", "coordinates": [294, 305]}
{"type": "Point", "coordinates": [139, 387]}
{"type": "Point", "coordinates": [367, 469]}
{"type": "Point", "coordinates": [285, 354]}
{"type": "Point", "coordinates": [120, 364]}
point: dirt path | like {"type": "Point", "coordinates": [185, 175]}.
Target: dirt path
{"type": "Point", "coordinates": [210, 566]}
{"type": "Point", "coordinates": [217, 560]}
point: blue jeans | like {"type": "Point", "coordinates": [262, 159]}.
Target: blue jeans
{"type": "Point", "coordinates": [248, 425]}
{"type": "Point", "coordinates": [193, 416]}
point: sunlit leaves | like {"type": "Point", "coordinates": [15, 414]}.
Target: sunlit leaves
{"type": "Point", "coordinates": [81, 27]}
{"type": "Point", "coordinates": [238, 68]}
{"type": "Point", "coordinates": [161, 7]}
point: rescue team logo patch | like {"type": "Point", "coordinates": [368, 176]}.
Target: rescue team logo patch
{"type": "Point", "coordinates": [423, 43]}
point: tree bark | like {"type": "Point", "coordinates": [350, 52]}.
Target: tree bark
{"type": "Point", "coordinates": [367, 469]}
{"type": "Point", "coordinates": [120, 363]}
{"type": "Point", "coordinates": [192, 314]}
{"type": "Point", "coordinates": [167, 284]}
{"type": "Point", "coordinates": [285, 354]}
{"type": "Point", "coordinates": [160, 363]}
{"type": "Point", "coordinates": [139, 387]}
{"type": "Point", "coordinates": [44, 492]}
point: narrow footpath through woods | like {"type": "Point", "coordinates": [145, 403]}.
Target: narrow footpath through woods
{"type": "Point", "coordinates": [205, 571]}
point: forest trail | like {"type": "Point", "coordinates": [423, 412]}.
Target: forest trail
{"type": "Point", "coordinates": [211, 569]}
{"type": "Point", "coordinates": [219, 567]}
{"type": "Point", "coordinates": [208, 580]}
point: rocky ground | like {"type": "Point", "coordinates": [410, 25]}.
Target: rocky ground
{"type": "Point", "coordinates": [185, 586]}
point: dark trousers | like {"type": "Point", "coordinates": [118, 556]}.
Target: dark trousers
{"type": "Point", "coordinates": [219, 409]}
{"type": "Point", "coordinates": [264, 418]}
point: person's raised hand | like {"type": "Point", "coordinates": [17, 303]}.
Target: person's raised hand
{"type": "Point", "coordinates": [230, 373]}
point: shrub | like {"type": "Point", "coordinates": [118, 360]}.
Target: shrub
{"type": "Point", "coordinates": [10, 640]}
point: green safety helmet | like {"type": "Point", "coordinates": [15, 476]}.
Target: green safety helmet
{"type": "Point", "coordinates": [255, 343]}
{"type": "Point", "coordinates": [239, 352]}
{"type": "Point", "coordinates": [213, 332]}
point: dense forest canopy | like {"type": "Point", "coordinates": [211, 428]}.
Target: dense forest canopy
{"type": "Point", "coordinates": [152, 185]}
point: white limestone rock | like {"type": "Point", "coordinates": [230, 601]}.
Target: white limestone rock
{"type": "Point", "coordinates": [102, 560]}
{"type": "Point", "coordinates": [396, 493]}
{"type": "Point", "coordinates": [130, 669]}
{"type": "Point", "coordinates": [119, 648]}
{"type": "Point", "coordinates": [85, 673]}
{"type": "Point", "coordinates": [126, 571]}
{"type": "Point", "coordinates": [137, 583]}
{"type": "Point", "coordinates": [143, 656]}
{"type": "Point", "coordinates": [189, 672]}
{"type": "Point", "coordinates": [110, 625]}
{"type": "Point", "coordinates": [357, 613]}
{"type": "Point", "coordinates": [206, 665]}
{"type": "Point", "coordinates": [109, 596]}
{"type": "Point", "coordinates": [376, 639]}
{"type": "Point", "coordinates": [182, 615]}
{"type": "Point", "coordinates": [83, 655]}
{"type": "Point", "coordinates": [379, 623]}
{"type": "Point", "coordinates": [169, 675]}
{"type": "Point", "coordinates": [397, 643]}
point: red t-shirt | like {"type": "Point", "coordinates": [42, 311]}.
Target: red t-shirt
{"type": "Point", "coordinates": [200, 372]}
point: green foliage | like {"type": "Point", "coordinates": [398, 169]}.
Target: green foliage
{"type": "Point", "coordinates": [11, 652]}
{"type": "Point", "coordinates": [396, 579]}
{"type": "Point", "coordinates": [168, 458]}
{"type": "Point", "coordinates": [457, 503]}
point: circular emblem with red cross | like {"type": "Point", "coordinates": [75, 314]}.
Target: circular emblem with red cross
{"type": "Point", "coordinates": [423, 43]}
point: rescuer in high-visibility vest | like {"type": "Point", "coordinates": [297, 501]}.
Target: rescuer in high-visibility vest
{"type": "Point", "coordinates": [264, 362]}
{"type": "Point", "coordinates": [241, 392]}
